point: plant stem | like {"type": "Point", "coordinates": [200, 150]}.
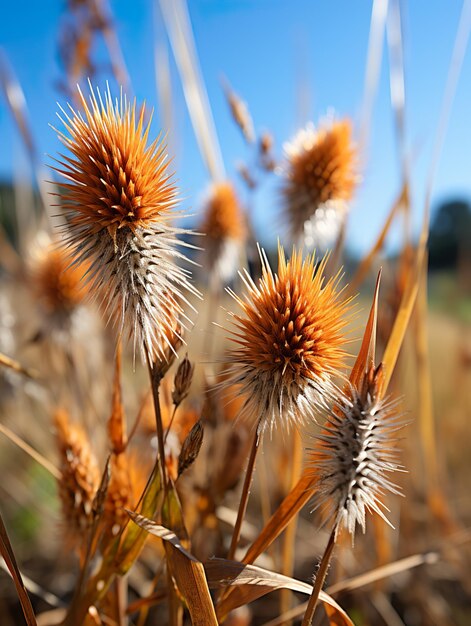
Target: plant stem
{"type": "Point", "coordinates": [245, 494]}
{"type": "Point", "coordinates": [170, 423]}
{"type": "Point", "coordinates": [155, 384]}
{"type": "Point", "coordinates": [320, 578]}
{"type": "Point", "coordinates": [289, 539]}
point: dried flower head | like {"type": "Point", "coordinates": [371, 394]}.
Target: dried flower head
{"type": "Point", "coordinates": [118, 205]}
{"type": "Point", "coordinates": [191, 447]}
{"type": "Point", "coordinates": [320, 180]}
{"type": "Point", "coordinates": [290, 340]}
{"type": "Point", "coordinates": [80, 475]}
{"type": "Point", "coordinates": [225, 230]}
{"type": "Point", "coordinates": [356, 454]}
{"type": "Point", "coordinates": [57, 285]}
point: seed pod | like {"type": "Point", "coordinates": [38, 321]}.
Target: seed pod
{"type": "Point", "coordinates": [182, 382]}
{"type": "Point", "coordinates": [191, 447]}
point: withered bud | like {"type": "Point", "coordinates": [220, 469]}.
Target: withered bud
{"type": "Point", "coordinates": [265, 148]}
{"type": "Point", "coordinates": [246, 175]}
{"type": "Point", "coordinates": [182, 381]}
{"type": "Point", "coordinates": [240, 114]}
{"type": "Point", "coordinates": [266, 143]}
{"type": "Point", "coordinates": [191, 447]}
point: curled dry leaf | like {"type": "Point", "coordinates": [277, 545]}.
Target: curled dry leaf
{"type": "Point", "coordinates": [250, 582]}
{"type": "Point", "coordinates": [188, 572]}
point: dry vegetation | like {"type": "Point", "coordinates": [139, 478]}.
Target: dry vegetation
{"type": "Point", "coordinates": [174, 452]}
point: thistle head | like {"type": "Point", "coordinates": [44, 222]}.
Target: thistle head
{"type": "Point", "coordinates": [224, 228]}
{"type": "Point", "coordinates": [57, 284]}
{"type": "Point", "coordinates": [117, 200]}
{"type": "Point", "coordinates": [80, 476]}
{"type": "Point", "coordinates": [356, 454]}
{"type": "Point", "coordinates": [289, 340]}
{"type": "Point", "coordinates": [320, 180]}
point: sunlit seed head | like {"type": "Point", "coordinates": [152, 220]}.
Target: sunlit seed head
{"type": "Point", "coordinates": [118, 202]}
{"type": "Point", "coordinates": [224, 227]}
{"type": "Point", "coordinates": [289, 341]}
{"type": "Point", "coordinates": [80, 476]}
{"type": "Point", "coordinates": [355, 455]}
{"type": "Point", "coordinates": [57, 284]}
{"type": "Point", "coordinates": [320, 171]}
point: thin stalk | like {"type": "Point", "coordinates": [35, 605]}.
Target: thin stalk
{"type": "Point", "coordinates": [155, 384]}
{"type": "Point", "coordinates": [170, 422]}
{"type": "Point", "coordinates": [289, 538]}
{"type": "Point", "coordinates": [320, 578]}
{"type": "Point", "coordinates": [121, 586]}
{"type": "Point", "coordinates": [245, 494]}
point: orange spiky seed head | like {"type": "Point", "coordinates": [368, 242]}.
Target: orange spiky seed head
{"type": "Point", "coordinates": [320, 173]}
{"type": "Point", "coordinates": [80, 475]}
{"type": "Point", "coordinates": [224, 228]}
{"type": "Point", "coordinates": [289, 341]}
{"type": "Point", "coordinates": [57, 283]}
{"type": "Point", "coordinates": [118, 202]}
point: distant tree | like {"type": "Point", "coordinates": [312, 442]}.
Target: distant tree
{"type": "Point", "coordinates": [450, 235]}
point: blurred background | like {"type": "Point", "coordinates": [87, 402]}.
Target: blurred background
{"type": "Point", "coordinates": [394, 69]}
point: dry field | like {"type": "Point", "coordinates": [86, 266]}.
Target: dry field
{"type": "Point", "coordinates": [194, 430]}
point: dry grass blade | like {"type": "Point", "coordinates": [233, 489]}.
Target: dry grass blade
{"type": "Point", "coordinates": [250, 582]}
{"type": "Point", "coordinates": [385, 571]}
{"type": "Point", "coordinates": [373, 66]}
{"type": "Point", "coordinates": [290, 506]}
{"type": "Point", "coordinates": [396, 74]}
{"type": "Point", "coordinates": [36, 589]}
{"type": "Point", "coordinates": [177, 21]}
{"type": "Point", "coordinates": [406, 307]}
{"type": "Point", "coordinates": [188, 572]}
{"type": "Point", "coordinates": [367, 261]}
{"type": "Point", "coordinates": [379, 573]}
{"type": "Point", "coordinates": [164, 82]}
{"type": "Point", "coordinates": [366, 355]}
{"type": "Point", "coordinates": [7, 553]}
{"type": "Point", "coordinates": [110, 37]}
{"type": "Point", "coordinates": [16, 102]}
{"type": "Point", "coordinates": [17, 367]}
{"type": "Point", "coordinates": [34, 454]}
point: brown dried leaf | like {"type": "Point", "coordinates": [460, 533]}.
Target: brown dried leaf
{"type": "Point", "coordinates": [290, 506]}
{"type": "Point", "coordinates": [366, 355]}
{"type": "Point", "coordinates": [367, 261]}
{"type": "Point", "coordinates": [249, 582]}
{"type": "Point", "coordinates": [188, 572]}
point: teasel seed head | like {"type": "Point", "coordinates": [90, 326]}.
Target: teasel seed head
{"type": "Point", "coordinates": [289, 341]}
{"type": "Point", "coordinates": [118, 202]}
{"type": "Point", "coordinates": [80, 475]}
{"type": "Point", "coordinates": [356, 454]}
{"type": "Point", "coordinates": [225, 230]}
{"type": "Point", "coordinates": [320, 178]}
{"type": "Point", "coordinates": [57, 285]}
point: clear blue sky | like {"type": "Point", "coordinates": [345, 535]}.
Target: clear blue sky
{"type": "Point", "coordinates": [265, 47]}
